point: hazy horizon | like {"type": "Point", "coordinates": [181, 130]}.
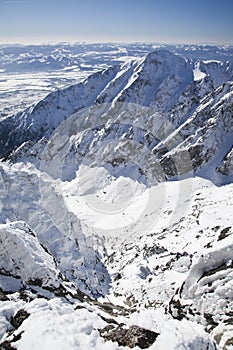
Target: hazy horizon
{"type": "Point", "coordinates": [67, 42]}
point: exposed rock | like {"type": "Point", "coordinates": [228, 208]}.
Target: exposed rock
{"type": "Point", "coordinates": [206, 294]}
{"type": "Point", "coordinates": [6, 345]}
{"type": "Point", "coordinates": [18, 318]}
{"type": "Point", "coordinates": [226, 167]}
{"type": "Point", "coordinates": [3, 296]}
{"type": "Point", "coordinates": [224, 233]}
{"type": "Point", "coordinates": [131, 337]}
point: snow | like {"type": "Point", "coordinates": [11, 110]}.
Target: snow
{"type": "Point", "coordinates": [34, 199]}
{"type": "Point", "coordinates": [104, 206]}
{"type": "Point", "coordinates": [85, 206]}
{"type": "Point", "coordinates": [45, 67]}
{"type": "Point", "coordinates": [56, 325]}
{"type": "Point", "coordinates": [22, 256]}
{"type": "Point", "coordinates": [198, 74]}
{"type": "Point", "coordinates": [220, 72]}
{"type": "Point", "coordinates": [183, 335]}
{"type": "Point", "coordinates": [7, 310]}
{"type": "Point", "coordinates": [60, 318]}
{"type": "Point", "coordinates": [209, 261]}
{"type": "Point", "coordinates": [124, 205]}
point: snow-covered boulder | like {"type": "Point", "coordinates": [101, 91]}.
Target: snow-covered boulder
{"type": "Point", "coordinates": [23, 258]}
{"type": "Point", "coordinates": [206, 296]}
{"type": "Point", "coordinates": [183, 335]}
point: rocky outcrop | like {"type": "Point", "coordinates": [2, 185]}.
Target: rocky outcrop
{"type": "Point", "coordinates": [226, 167]}
{"type": "Point", "coordinates": [130, 337]}
{"type": "Point", "coordinates": [23, 258]}
{"type": "Point", "coordinates": [206, 294]}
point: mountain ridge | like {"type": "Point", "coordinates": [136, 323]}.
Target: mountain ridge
{"type": "Point", "coordinates": [163, 76]}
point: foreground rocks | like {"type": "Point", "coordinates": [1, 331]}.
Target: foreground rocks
{"type": "Point", "coordinates": [131, 337]}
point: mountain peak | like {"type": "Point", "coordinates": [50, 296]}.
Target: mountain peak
{"type": "Point", "coordinates": [165, 56]}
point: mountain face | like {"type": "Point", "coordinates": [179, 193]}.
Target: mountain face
{"type": "Point", "coordinates": [29, 73]}
{"type": "Point", "coordinates": [110, 212]}
{"type": "Point", "coordinates": [182, 112]}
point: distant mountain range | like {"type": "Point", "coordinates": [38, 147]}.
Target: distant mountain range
{"type": "Point", "coordinates": [31, 58]}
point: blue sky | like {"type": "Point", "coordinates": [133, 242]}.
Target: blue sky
{"type": "Point", "coordinates": [166, 21]}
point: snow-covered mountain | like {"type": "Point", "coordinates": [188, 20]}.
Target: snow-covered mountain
{"type": "Point", "coordinates": [29, 73]}
{"type": "Point", "coordinates": [153, 101]}
{"type": "Point", "coordinates": [116, 210]}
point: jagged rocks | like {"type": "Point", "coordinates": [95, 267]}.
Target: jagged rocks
{"type": "Point", "coordinates": [6, 345]}
{"type": "Point", "coordinates": [18, 318]}
{"type": "Point", "coordinates": [3, 296]}
{"type": "Point", "coordinates": [206, 294]}
{"type": "Point", "coordinates": [131, 337]}
{"type": "Point", "coordinates": [226, 167]}
{"type": "Point", "coordinates": [16, 321]}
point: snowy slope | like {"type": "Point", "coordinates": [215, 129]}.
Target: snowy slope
{"type": "Point", "coordinates": [98, 250]}
{"type": "Point", "coordinates": [31, 197]}
{"type": "Point", "coordinates": [156, 260]}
